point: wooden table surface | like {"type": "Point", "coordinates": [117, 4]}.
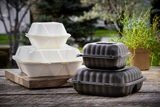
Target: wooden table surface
{"type": "Point", "coordinates": [12, 94]}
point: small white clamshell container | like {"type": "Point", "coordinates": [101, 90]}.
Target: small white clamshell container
{"type": "Point", "coordinates": [48, 62]}
{"type": "Point", "coordinates": [47, 35]}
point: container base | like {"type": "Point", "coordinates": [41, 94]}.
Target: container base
{"type": "Point", "coordinates": [109, 91]}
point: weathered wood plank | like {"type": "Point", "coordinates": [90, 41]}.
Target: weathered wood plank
{"type": "Point", "coordinates": [12, 94]}
{"type": "Point", "coordinates": [76, 100]}
{"type": "Point", "coordinates": [40, 82]}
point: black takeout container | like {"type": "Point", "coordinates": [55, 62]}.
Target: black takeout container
{"type": "Point", "coordinates": [112, 83]}
{"type": "Point", "coordinates": [105, 55]}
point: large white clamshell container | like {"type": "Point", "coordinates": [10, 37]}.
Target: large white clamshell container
{"type": "Point", "coordinates": [48, 35]}
{"type": "Point", "coordinates": [48, 62]}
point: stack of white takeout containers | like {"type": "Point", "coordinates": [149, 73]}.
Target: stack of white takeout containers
{"type": "Point", "coordinates": [49, 54]}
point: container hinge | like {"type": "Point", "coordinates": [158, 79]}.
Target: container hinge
{"type": "Point", "coordinates": [106, 84]}
{"type": "Point", "coordinates": [79, 55]}
{"type": "Point", "coordinates": [74, 81]}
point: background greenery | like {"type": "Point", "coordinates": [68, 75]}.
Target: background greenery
{"type": "Point", "coordinates": [98, 33]}
{"type": "Point", "coordinates": [66, 11]}
{"type": "Point", "coordinates": [105, 33]}
{"type": "Point", "coordinates": [101, 9]}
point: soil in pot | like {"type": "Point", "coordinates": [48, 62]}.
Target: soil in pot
{"type": "Point", "coordinates": [141, 59]}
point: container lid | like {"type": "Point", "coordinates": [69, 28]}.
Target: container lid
{"type": "Point", "coordinates": [47, 29]}
{"type": "Point", "coordinates": [105, 57]}
{"type": "Point", "coordinates": [31, 54]}
{"type": "Point", "coordinates": [127, 76]}
{"type": "Point", "coordinates": [108, 50]}
{"type": "Point", "coordinates": [71, 80]}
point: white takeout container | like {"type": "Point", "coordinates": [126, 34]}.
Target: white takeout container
{"type": "Point", "coordinates": [31, 54]}
{"type": "Point", "coordinates": [49, 69]}
{"type": "Point", "coordinates": [48, 62]}
{"type": "Point", "coordinates": [47, 35]}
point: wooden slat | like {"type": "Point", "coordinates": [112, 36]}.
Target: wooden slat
{"type": "Point", "coordinates": [39, 82]}
{"type": "Point", "coordinates": [12, 94]}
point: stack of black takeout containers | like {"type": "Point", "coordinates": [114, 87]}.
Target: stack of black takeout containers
{"type": "Point", "coordinates": [106, 73]}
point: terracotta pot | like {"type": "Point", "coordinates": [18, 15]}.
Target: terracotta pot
{"type": "Point", "coordinates": [141, 58]}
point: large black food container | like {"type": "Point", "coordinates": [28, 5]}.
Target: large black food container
{"type": "Point", "coordinates": [108, 55]}
{"type": "Point", "coordinates": [108, 83]}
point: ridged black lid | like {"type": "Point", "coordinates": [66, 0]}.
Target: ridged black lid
{"type": "Point", "coordinates": [101, 77]}
{"type": "Point", "coordinates": [105, 49]}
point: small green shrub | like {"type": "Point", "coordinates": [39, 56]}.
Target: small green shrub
{"type": "Point", "coordinates": [139, 33]}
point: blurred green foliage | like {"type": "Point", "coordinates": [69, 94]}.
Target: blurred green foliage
{"type": "Point", "coordinates": [138, 32]}
{"type": "Point", "coordinates": [105, 33]}
{"type": "Point", "coordinates": [66, 11]}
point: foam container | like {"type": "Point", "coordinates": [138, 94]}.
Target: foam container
{"type": "Point", "coordinates": [48, 62]}
{"type": "Point", "coordinates": [31, 54]}
{"type": "Point", "coordinates": [105, 55]}
{"type": "Point", "coordinates": [49, 69]}
{"type": "Point", "coordinates": [108, 83]}
{"type": "Point", "coordinates": [47, 35]}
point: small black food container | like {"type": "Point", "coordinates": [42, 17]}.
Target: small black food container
{"type": "Point", "coordinates": [105, 55]}
{"type": "Point", "coordinates": [108, 83]}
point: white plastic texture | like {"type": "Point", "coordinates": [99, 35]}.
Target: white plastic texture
{"type": "Point", "coordinates": [29, 54]}
{"type": "Point", "coordinates": [47, 35]}
{"type": "Point", "coordinates": [53, 69]}
{"type": "Point", "coordinates": [48, 62]}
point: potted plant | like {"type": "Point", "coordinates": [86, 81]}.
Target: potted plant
{"type": "Point", "coordinates": [141, 38]}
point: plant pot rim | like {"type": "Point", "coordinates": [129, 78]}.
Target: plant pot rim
{"type": "Point", "coordinates": [138, 49]}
